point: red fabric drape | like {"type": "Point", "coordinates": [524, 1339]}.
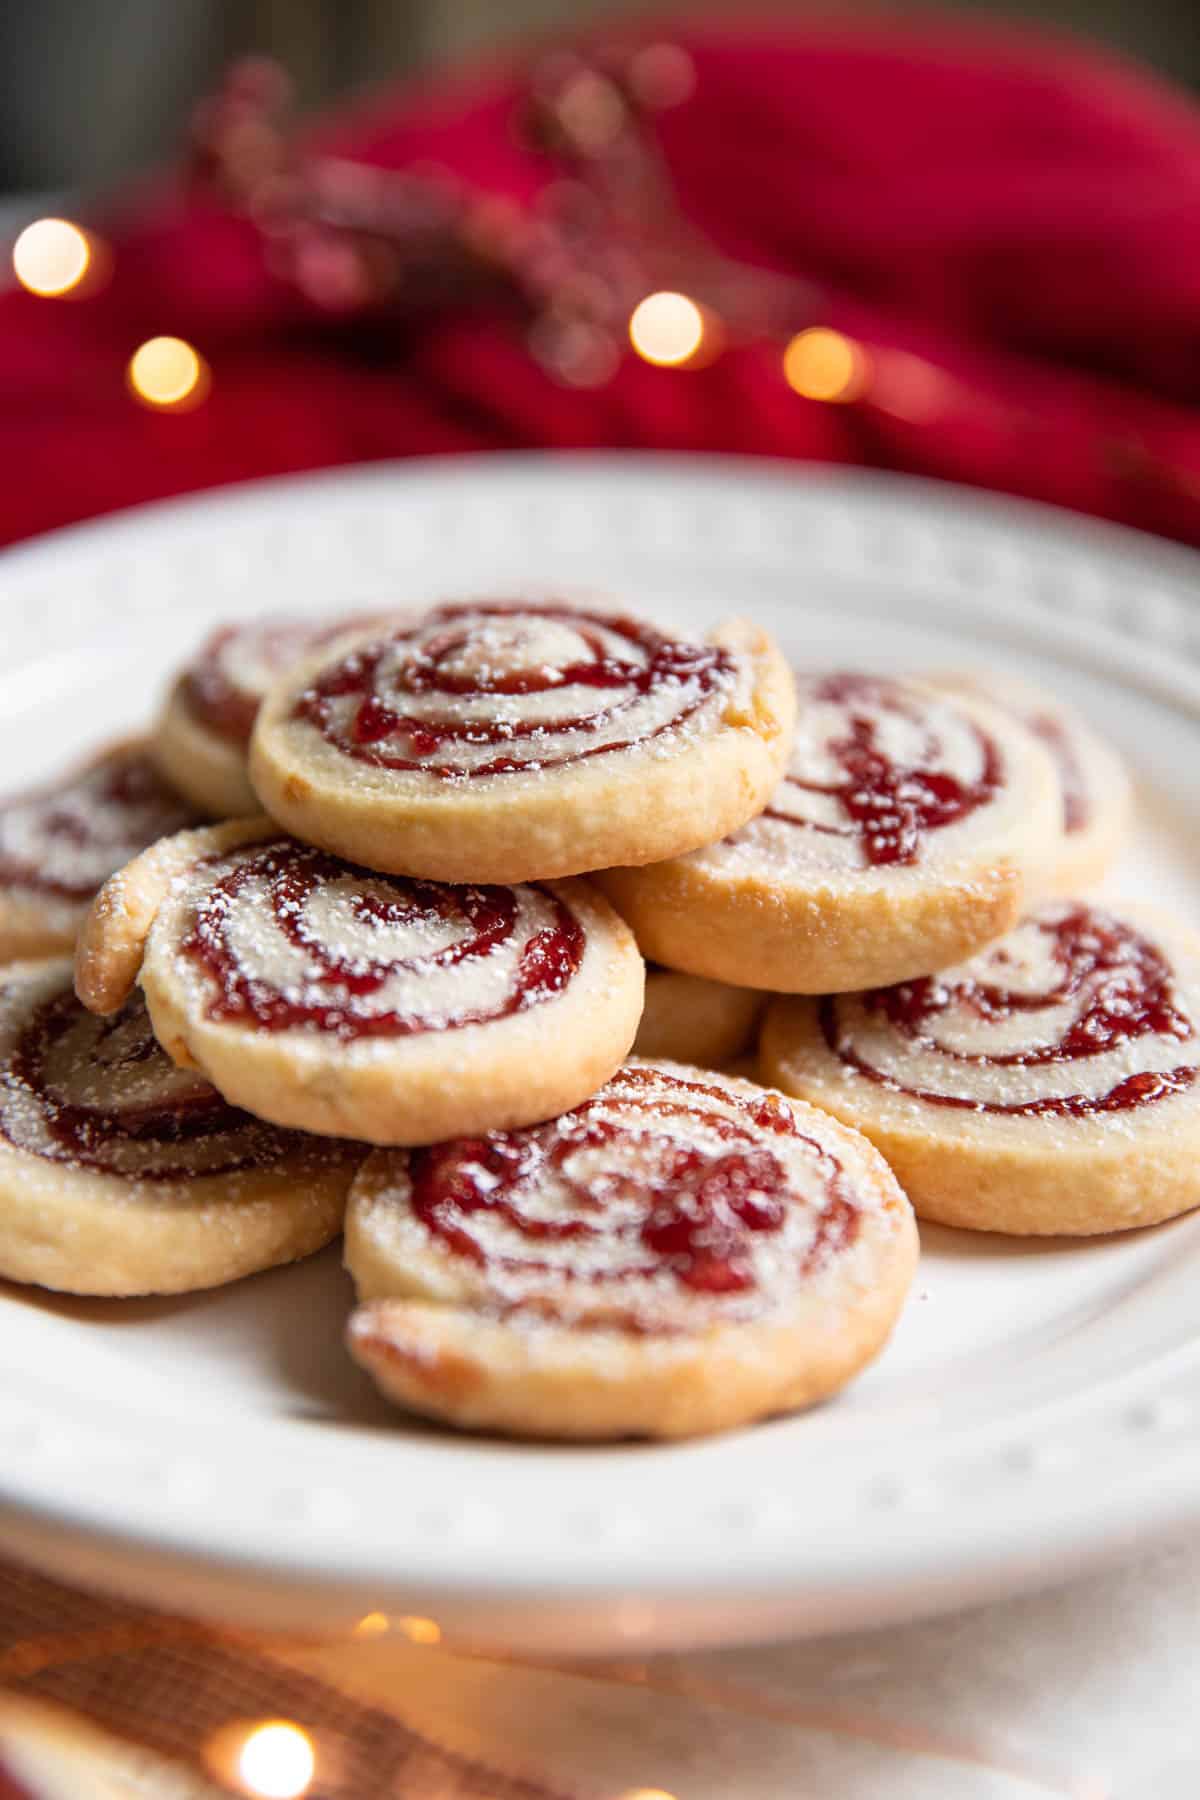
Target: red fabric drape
{"type": "Point", "coordinates": [1021, 213]}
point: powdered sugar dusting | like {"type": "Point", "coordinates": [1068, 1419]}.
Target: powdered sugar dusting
{"type": "Point", "coordinates": [1075, 1013]}
{"type": "Point", "coordinates": [671, 1200]}
{"type": "Point", "coordinates": [495, 689]}
{"type": "Point", "coordinates": [65, 839]}
{"type": "Point", "coordinates": [284, 937]}
{"type": "Point", "coordinates": [101, 1094]}
{"type": "Point", "coordinates": [881, 773]}
{"type": "Point", "coordinates": [225, 683]}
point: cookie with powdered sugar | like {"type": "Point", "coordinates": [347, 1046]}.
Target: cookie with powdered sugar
{"type": "Point", "coordinates": [904, 835]}
{"type": "Point", "coordinates": [501, 741]}
{"type": "Point", "coordinates": [338, 1000]}
{"type": "Point", "coordinates": [61, 840]}
{"type": "Point", "coordinates": [681, 1253]}
{"type": "Point", "coordinates": [1051, 1084]}
{"type": "Point", "coordinates": [201, 739]}
{"type": "Point", "coordinates": [1095, 793]}
{"type": "Point", "coordinates": [123, 1174]}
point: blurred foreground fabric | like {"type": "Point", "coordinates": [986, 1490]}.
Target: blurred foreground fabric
{"type": "Point", "coordinates": [1087, 1693]}
{"type": "Point", "coordinates": [1008, 223]}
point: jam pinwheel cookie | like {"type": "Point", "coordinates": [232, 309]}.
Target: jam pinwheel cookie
{"type": "Point", "coordinates": [506, 742]}
{"type": "Point", "coordinates": [1095, 796]}
{"type": "Point", "coordinates": [1048, 1085]}
{"type": "Point", "coordinates": [341, 1001]}
{"type": "Point", "coordinates": [687, 1019]}
{"type": "Point", "coordinates": [123, 1174]}
{"type": "Point", "coordinates": [202, 737]}
{"type": "Point", "coordinates": [681, 1253]}
{"type": "Point", "coordinates": [898, 841]}
{"type": "Point", "coordinates": [60, 841]}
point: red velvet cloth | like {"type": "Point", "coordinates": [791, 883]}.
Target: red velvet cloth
{"type": "Point", "coordinates": [1020, 212]}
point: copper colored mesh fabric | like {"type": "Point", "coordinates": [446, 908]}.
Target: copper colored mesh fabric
{"type": "Point", "coordinates": [171, 1687]}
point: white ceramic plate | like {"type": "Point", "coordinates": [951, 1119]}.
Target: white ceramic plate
{"type": "Point", "coordinates": [1039, 1407]}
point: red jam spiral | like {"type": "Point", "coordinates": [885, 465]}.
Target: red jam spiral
{"type": "Point", "coordinates": [1056, 737]}
{"type": "Point", "coordinates": [67, 838]}
{"type": "Point", "coordinates": [496, 689]}
{"type": "Point", "coordinates": [657, 1176]}
{"type": "Point", "coordinates": [292, 938]}
{"type": "Point", "coordinates": [885, 805]}
{"type": "Point", "coordinates": [100, 1094]}
{"type": "Point", "coordinates": [1073, 986]}
{"type": "Point", "coordinates": [225, 684]}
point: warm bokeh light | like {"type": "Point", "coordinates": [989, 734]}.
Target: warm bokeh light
{"type": "Point", "coordinates": [276, 1761]}
{"type": "Point", "coordinates": [51, 257]}
{"type": "Point", "coordinates": [646, 1794]}
{"type": "Point", "coordinates": [909, 387]}
{"type": "Point", "coordinates": [167, 372]}
{"type": "Point", "coordinates": [420, 1631]}
{"type": "Point", "coordinates": [371, 1625]}
{"type": "Point", "coordinates": [823, 365]}
{"type": "Point", "coordinates": [666, 329]}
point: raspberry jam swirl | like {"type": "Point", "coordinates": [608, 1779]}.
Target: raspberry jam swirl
{"type": "Point", "coordinates": [100, 1094]}
{"type": "Point", "coordinates": [1074, 1013]}
{"type": "Point", "coordinates": [659, 1191]}
{"type": "Point", "coordinates": [498, 689]}
{"type": "Point", "coordinates": [1059, 740]}
{"type": "Point", "coordinates": [224, 686]}
{"type": "Point", "coordinates": [876, 767]}
{"type": "Point", "coordinates": [288, 937]}
{"type": "Point", "coordinates": [67, 838]}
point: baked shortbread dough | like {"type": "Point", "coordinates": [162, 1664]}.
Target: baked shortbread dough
{"type": "Point", "coordinates": [682, 1253]}
{"type": "Point", "coordinates": [378, 1007]}
{"type": "Point", "coordinates": [122, 1174]}
{"type": "Point", "coordinates": [900, 840]}
{"type": "Point", "coordinates": [501, 742]}
{"type": "Point", "coordinates": [1095, 792]}
{"type": "Point", "coordinates": [1048, 1085]}
{"type": "Point", "coordinates": [202, 736]}
{"type": "Point", "coordinates": [688, 1019]}
{"type": "Point", "coordinates": [58, 842]}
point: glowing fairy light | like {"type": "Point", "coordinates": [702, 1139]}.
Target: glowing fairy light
{"type": "Point", "coordinates": [276, 1761]}
{"type": "Point", "coordinates": [373, 1624]}
{"type": "Point", "coordinates": [646, 1794]}
{"type": "Point", "coordinates": [51, 257]}
{"type": "Point", "coordinates": [824, 365]}
{"type": "Point", "coordinates": [666, 329]}
{"type": "Point", "coordinates": [420, 1631]}
{"type": "Point", "coordinates": [167, 372]}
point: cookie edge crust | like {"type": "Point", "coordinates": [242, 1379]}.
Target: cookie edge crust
{"type": "Point", "coordinates": [556, 823]}
{"type": "Point", "coordinates": [687, 1019]}
{"type": "Point", "coordinates": [447, 1354]}
{"type": "Point", "coordinates": [128, 1237]}
{"type": "Point", "coordinates": [206, 768]}
{"type": "Point", "coordinates": [746, 932]}
{"type": "Point", "coordinates": [554, 1381]}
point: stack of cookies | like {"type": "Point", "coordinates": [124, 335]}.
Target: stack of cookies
{"type": "Point", "coordinates": [407, 991]}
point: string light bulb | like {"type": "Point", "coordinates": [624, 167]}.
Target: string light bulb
{"type": "Point", "coordinates": [168, 374]}
{"type": "Point", "coordinates": [420, 1631]}
{"type": "Point", "coordinates": [276, 1761]}
{"type": "Point", "coordinates": [373, 1624]}
{"type": "Point", "coordinates": [820, 364]}
{"type": "Point", "coordinates": [51, 257]}
{"type": "Point", "coordinates": [666, 329]}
